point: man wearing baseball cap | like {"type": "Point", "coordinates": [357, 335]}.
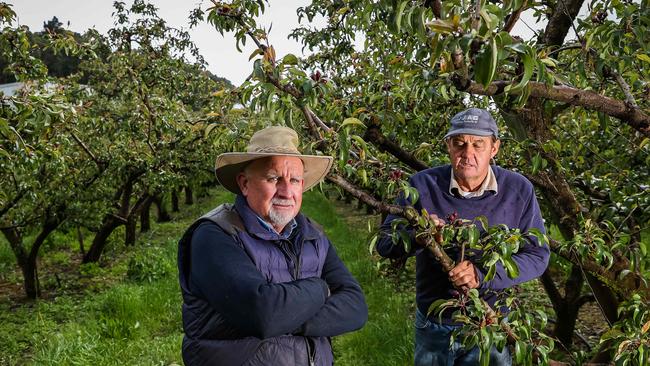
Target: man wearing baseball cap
{"type": "Point", "coordinates": [261, 283]}
{"type": "Point", "coordinates": [467, 188]}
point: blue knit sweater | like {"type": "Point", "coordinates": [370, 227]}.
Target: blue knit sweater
{"type": "Point", "coordinates": [514, 205]}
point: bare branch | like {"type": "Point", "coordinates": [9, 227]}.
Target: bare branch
{"type": "Point", "coordinates": [85, 148]}
{"type": "Point", "coordinates": [629, 98]}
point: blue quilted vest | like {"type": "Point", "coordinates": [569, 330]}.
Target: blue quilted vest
{"type": "Point", "coordinates": [209, 340]}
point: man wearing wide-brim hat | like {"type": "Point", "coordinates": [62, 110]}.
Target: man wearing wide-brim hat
{"type": "Point", "coordinates": [261, 283]}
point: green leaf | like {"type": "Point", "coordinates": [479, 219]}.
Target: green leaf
{"type": "Point", "coordinates": [511, 267]}
{"type": "Point", "coordinates": [399, 14]}
{"type": "Point", "coordinates": [643, 57]}
{"type": "Point", "coordinates": [519, 353]}
{"type": "Point", "coordinates": [486, 64]}
{"type": "Point", "coordinates": [406, 239]}
{"type": "Point", "coordinates": [473, 235]}
{"type": "Point", "coordinates": [351, 121]}
{"type": "Point", "coordinates": [290, 59]}
{"type": "Point", "coordinates": [537, 163]}
{"type": "Point", "coordinates": [490, 274]}
{"type": "Point", "coordinates": [307, 87]}
{"type": "Point", "coordinates": [439, 306]}
{"type": "Point", "coordinates": [484, 222]}
{"type": "Point", "coordinates": [529, 64]}
{"type": "Point", "coordinates": [258, 72]}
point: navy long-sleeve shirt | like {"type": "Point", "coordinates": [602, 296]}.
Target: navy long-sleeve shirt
{"type": "Point", "coordinates": [224, 275]}
{"type": "Point", "coordinates": [514, 205]}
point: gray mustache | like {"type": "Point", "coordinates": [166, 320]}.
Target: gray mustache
{"type": "Point", "coordinates": [280, 201]}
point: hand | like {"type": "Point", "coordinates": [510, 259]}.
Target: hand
{"type": "Point", "coordinates": [463, 276]}
{"type": "Point", "coordinates": [436, 220]}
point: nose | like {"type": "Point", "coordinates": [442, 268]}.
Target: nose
{"type": "Point", "coordinates": [467, 151]}
{"type": "Point", "coordinates": [282, 188]}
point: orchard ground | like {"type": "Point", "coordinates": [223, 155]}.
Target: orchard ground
{"type": "Point", "coordinates": [126, 310]}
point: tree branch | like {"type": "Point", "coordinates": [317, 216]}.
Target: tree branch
{"type": "Point", "coordinates": [436, 6]}
{"type": "Point", "coordinates": [374, 135]}
{"type": "Point", "coordinates": [514, 17]}
{"type": "Point", "coordinates": [629, 98]}
{"type": "Point", "coordinates": [366, 198]}
{"type": "Point", "coordinates": [561, 21]}
{"type": "Point", "coordinates": [99, 163]}
{"type": "Point", "coordinates": [587, 99]}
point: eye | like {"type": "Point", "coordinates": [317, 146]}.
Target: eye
{"type": "Point", "coordinates": [295, 181]}
{"type": "Point", "coordinates": [272, 179]}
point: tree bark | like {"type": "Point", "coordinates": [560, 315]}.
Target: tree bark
{"type": "Point", "coordinates": [635, 117]}
{"type": "Point", "coordinates": [567, 307]}
{"type": "Point", "coordinates": [96, 249]}
{"type": "Point", "coordinates": [175, 201]}
{"type": "Point", "coordinates": [564, 207]}
{"type": "Point", "coordinates": [111, 221]}
{"type": "Point", "coordinates": [145, 217]}
{"type": "Point", "coordinates": [161, 210]}
{"type": "Point", "coordinates": [28, 269]}
{"type": "Point", "coordinates": [189, 197]}
{"type": "Point", "coordinates": [27, 261]}
{"type": "Point", "coordinates": [374, 135]}
{"type": "Point", "coordinates": [130, 231]}
{"type": "Point", "coordinates": [560, 21]}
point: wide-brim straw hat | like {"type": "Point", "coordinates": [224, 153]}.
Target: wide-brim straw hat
{"type": "Point", "coordinates": [271, 141]}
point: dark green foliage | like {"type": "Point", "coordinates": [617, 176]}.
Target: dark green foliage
{"type": "Point", "coordinates": [148, 265]}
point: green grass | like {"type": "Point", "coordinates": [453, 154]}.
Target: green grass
{"type": "Point", "coordinates": [387, 338]}
{"type": "Point", "coordinates": [127, 311]}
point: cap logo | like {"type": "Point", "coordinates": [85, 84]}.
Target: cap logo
{"type": "Point", "coordinates": [469, 119]}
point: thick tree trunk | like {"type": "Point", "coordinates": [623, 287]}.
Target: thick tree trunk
{"type": "Point", "coordinates": [145, 216]}
{"type": "Point", "coordinates": [13, 236]}
{"type": "Point", "coordinates": [161, 210]}
{"type": "Point", "coordinates": [130, 231]}
{"type": "Point", "coordinates": [99, 242]}
{"type": "Point", "coordinates": [567, 307]}
{"type": "Point", "coordinates": [175, 201]}
{"type": "Point", "coordinates": [28, 261]}
{"type": "Point", "coordinates": [189, 197]}
{"type": "Point", "coordinates": [30, 280]}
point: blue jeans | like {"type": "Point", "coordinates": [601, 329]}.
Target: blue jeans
{"type": "Point", "coordinates": [432, 347]}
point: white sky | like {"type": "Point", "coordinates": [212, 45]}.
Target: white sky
{"type": "Point", "coordinates": [220, 53]}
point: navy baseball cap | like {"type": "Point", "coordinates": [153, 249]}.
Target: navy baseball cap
{"type": "Point", "coordinates": [473, 121]}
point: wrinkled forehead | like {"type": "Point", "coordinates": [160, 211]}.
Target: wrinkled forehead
{"type": "Point", "coordinates": [278, 164]}
{"type": "Point", "coordinates": [469, 138]}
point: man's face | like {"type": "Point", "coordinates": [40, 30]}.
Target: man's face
{"type": "Point", "coordinates": [273, 188]}
{"type": "Point", "coordinates": [470, 158]}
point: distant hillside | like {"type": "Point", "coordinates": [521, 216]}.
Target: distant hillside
{"type": "Point", "coordinates": [61, 65]}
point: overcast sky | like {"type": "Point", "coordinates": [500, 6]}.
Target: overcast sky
{"type": "Point", "coordinates": [219, 51]}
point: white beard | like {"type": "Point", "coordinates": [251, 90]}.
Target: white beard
{"type": "Point", "coordinates": [280, 219]}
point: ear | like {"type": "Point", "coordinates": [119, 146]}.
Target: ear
{"type": "Point", "coordinates": [495, 148]}
{"type": "Point", "coordinates": [242, 182]}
